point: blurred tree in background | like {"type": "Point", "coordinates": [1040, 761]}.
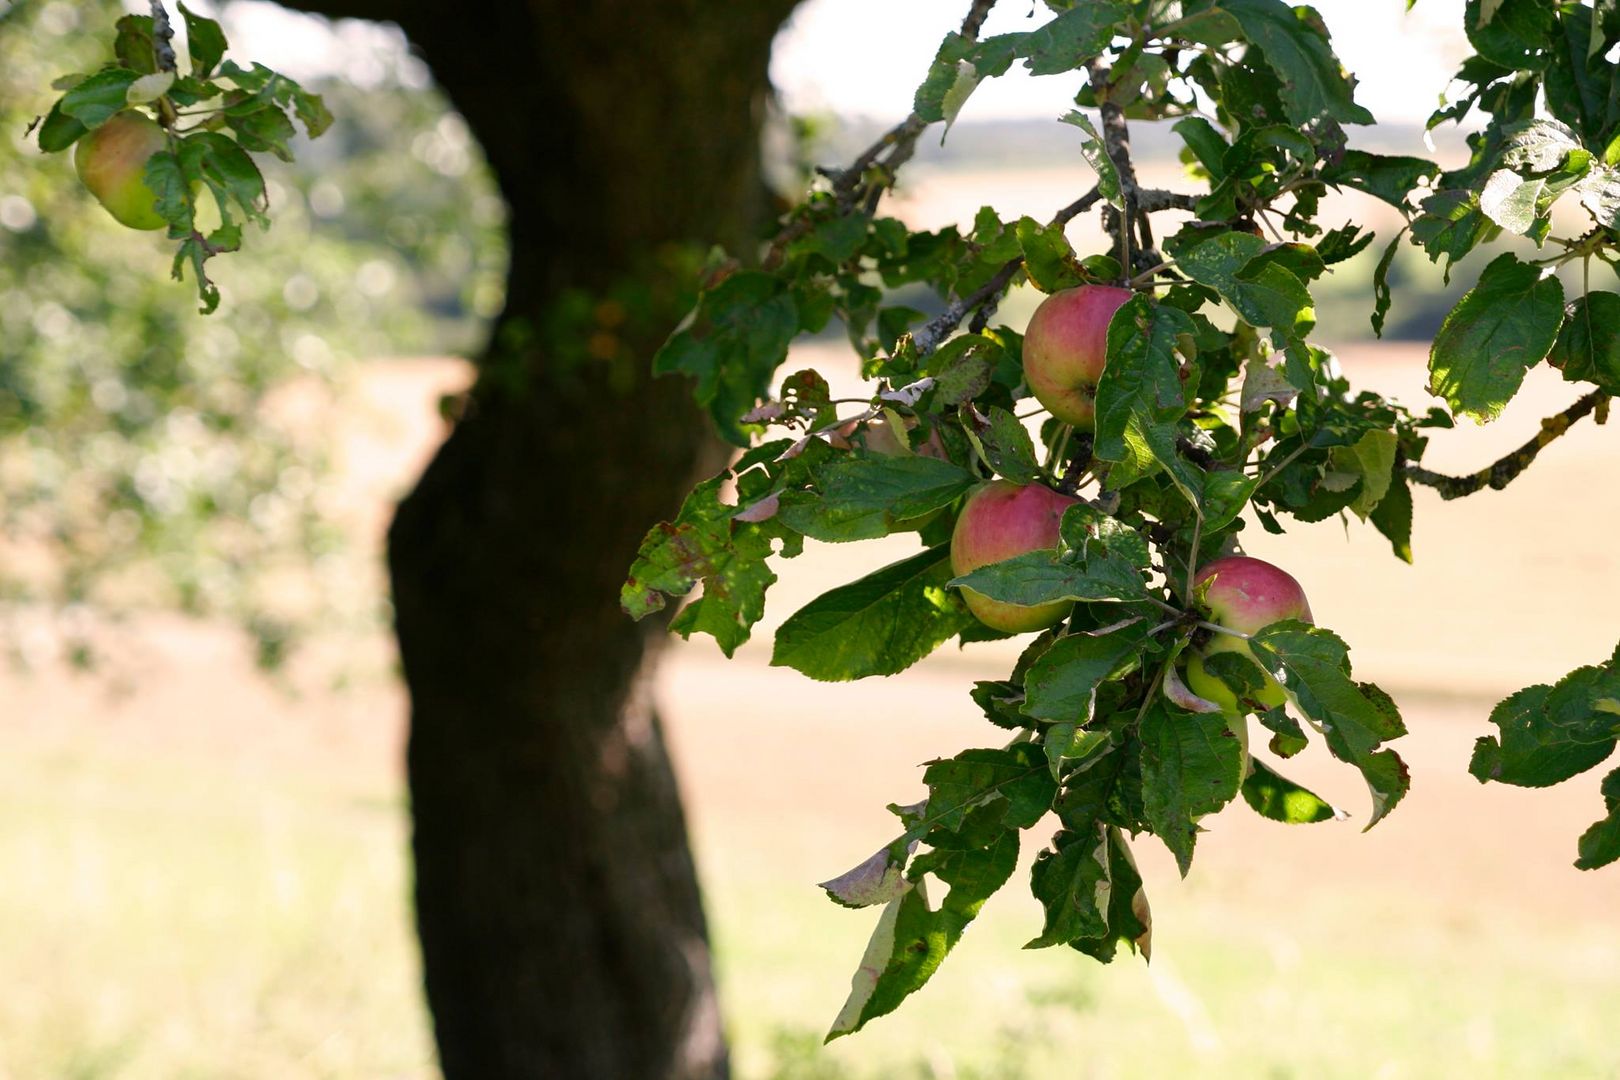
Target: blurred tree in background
{"type": "Point", "coordinates": [141, 457]}
{"type": "Point", "coordinates": [144, 462]}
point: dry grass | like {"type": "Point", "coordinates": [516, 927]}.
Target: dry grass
{"type": "Point", "coordinates": [207, 878]}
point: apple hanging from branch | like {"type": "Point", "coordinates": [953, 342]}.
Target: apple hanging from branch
{"type": "Point", "coordinates": [1245, 595]}
{"type": "Point", "coordinates": [1065, 347]}
{"type": "Point", "coordinates": [111, 162]}
{"type": "Point", "coordinates": [999, 520]}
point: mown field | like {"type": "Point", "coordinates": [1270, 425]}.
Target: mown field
{"type": "Point", "coordinates": [203, 874]}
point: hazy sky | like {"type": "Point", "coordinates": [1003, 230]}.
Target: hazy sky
{"type": "Point", "coordinates": [867, 56]}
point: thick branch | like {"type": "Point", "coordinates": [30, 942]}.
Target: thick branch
{"type": "Point", "coordinates": [163, 37]}
{"type": "Point", "coordinates": [1499, 474]}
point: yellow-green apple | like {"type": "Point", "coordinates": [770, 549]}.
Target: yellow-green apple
{"type": "Point", "coordinates": [1246, 595]}
{"type": "Point", "coordinates": [111, 161]}
{"type": "Point", "coordinates": [999, 520]}
{"type": "Point", "coordinates": [1065, 346]}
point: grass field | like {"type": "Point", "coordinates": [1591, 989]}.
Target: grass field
{"type": "Point", "coordinates": [205, 877]}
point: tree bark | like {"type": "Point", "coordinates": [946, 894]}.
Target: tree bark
{"type": "Point", "coordinates": [561, 926]}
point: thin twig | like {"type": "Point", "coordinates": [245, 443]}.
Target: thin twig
{"type": "Point", "coordinates": [1500, 473]}
{"type": "Point", "coordinates": [982, 299]}
{"type": "Point", "coordinates": [892, 149]}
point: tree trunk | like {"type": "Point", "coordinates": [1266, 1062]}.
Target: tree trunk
{"type": "Point", "coordinates": [561, 926]}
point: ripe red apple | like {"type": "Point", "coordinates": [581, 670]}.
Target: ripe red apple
{"type": "Point", "coordinates": [1001, 519]}
{"type": "Point", "coordinates": [111, 161]}
{"type": "Point", "coordinates": [1065, 346]}
{"type": "Point", "coordinates": [1246, 595]}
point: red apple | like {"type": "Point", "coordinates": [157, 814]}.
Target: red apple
{"type": "Point", "coordinates": [111, 161]}
{"type": "Point", "coordinates": [1065, 346]}
{"type": "Point", "coordinates": [999, 520]}
{"type": "Point", "coordinates": [1246, 595]}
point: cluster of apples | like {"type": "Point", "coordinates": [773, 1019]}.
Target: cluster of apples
{"type": "Point", "coordinates": [1065, 346]}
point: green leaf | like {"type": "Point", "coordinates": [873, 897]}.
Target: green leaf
{"type": "Point", "coordinates": [1130, 923]}
{"type": "Point", "coordinates": [1391, 179]}
{"type": "Point", "coordinates": [963, 367]}
{"type": "Point", "coordinates": [1504, 326]}
{"type": "Point", "coordinates": [1381, 296]}
{"type": "Point", "coordinates": [1073, 884]}
{"type": "Point", "coordinates": [1276, 797]}
{"type": "Point", "coordinates": [1393, 517]}
{"type": "Point", "coordinates": [704, 544]}
{"type": "Point", "coordinates": [59, 131]}
{"type": "Point", "coordinates": [1269, 295]}
{"type": "Point", "coordinates": [1090, 532]}
{"type": "Point", "coordinates": [97, 99]}
{"type": "Point", "coordinates": [1452, 225]}
{"type": "Point", "coordinates": [134, 46]}
{"type": "Point", "coordinates": [1287, 737]}
{"type": "Point", "coordinates": [871, 495]}
{"type": "Point", "coordinates": [1062, 684]}
{"type": "Point", "coordinates": [1012, 785]}
{"type": "Point", "coordinates": [912, 939]}
{"type": "Point", "coordinates": [1067, 743]}
{"type": "Point", "coordinates": [1207, 144]}
{"type": "Point", "coordinates": [1588, 345]}
{"type": "Point", "coordinates": [264, 129]}
{"type": "Point", "coordinates": [1512, 33]}
{"type": "Point", "coordinates": [206, 42]}
{"type": "Point", "coordinates": [270, 86]}
{"type": "Point", "coordinates": [1547, 734]}
{"type": "Point", "coordinates": [879, 625]}
{"type": "Point", "coordinates": [737, 338]}
{"type": "Point", "coordinates": [1371, 460]}
{"type": "Point", "coordinates": [1511, 201]}
{"type": "Point", "coordinates": [1294, 42]}
{"type": "Point", "coordinates": [1140, 395]}
{"type": "Point", "coordinates": [1192, 765]}
{"type": "Point", "coordinates": [230, 174]}
{"type": "Point", "coordinates": [1096, 155]}
{"type": "Point", "coordinates": [1008, 447]}
{"type": "Point", "coordinates": [1600, 845]}
{"type": "Point", "coordinates": [1048, 259]}
{"type": "Point", "coordinates": [1342, 244]}
{"type": "Point", "coordinates": [1075, 36]}
{"type": "Point", "coordinates": [1043, 577]}
{"type": "Point", "coordinates": [1314, 666]}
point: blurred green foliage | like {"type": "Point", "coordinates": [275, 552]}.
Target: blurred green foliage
{"type": "Point", "coordinates": [150, 457]}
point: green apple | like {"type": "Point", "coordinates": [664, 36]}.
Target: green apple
{"type": "Point", "coordinates": [111, 161]}
{"type": "Point", "coordinates": [1065, 347]}
{"type": "Point", "coordinates": [999, 520]}
{"type": "Point", "coordinates": [1246, 595]}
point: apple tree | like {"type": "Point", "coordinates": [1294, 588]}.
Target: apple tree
{"type": "Point", "coordinates": [548, 835]}
{"type": "Point", "coordinates": [1183, 400]}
